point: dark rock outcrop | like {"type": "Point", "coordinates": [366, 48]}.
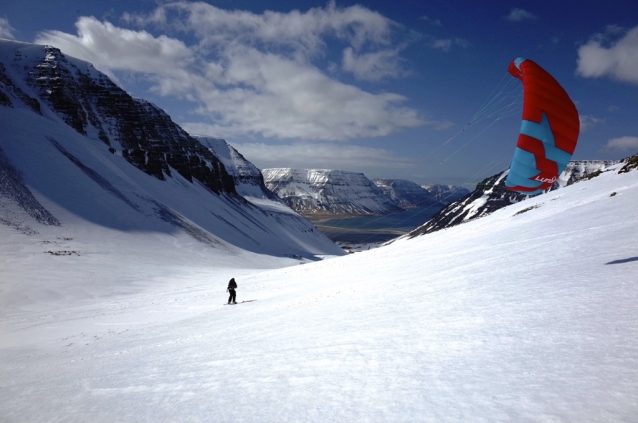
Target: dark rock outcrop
{"type": "Point", "coordinates": [630, 163]}
{"type": "Point", "coordinates": [6, 84]}
{"type": "Point", "coordinates": [491, 195]}
{"type": "Point", "coordinates": [249, 182]}
{"type": "Point", "coordinates": [143, 134]}
{"type": "Point", "coordinates": [14, 190]}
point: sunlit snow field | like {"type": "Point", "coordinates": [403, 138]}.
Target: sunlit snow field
{"type": "Point", "coordinates": [526, 317]}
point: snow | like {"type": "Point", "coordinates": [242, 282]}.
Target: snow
{"type": "Point", "coordinates": [527, 317]}
{"type": "Point", "coordinates": [115, 315]}
{"type": "Point", "coordinates": [328, 191]}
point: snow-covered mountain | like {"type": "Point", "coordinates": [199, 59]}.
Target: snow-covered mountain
{"type": "Point", "coordinates": [80, 149]}
{"type": "Point", "coordinates": [405, 193]}
{"type": "Point", "coordinates": [89, 102]}
{"type": "Point", "coordinates": [526, 315]}
{"type": "Point", "coordinates": [249, 182]}
{"type": "Point", "coordinates": [446, 194]}
{"type": "Point", "coordinates": [579, 169]}
{"type": "Point", "coordinates": [491, 195]}
{"type": "Point", "coordinates": [323, 191]}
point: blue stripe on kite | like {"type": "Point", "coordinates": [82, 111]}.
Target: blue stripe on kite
{"type": "Point", "coordinates": [514, 179]}
{"type": "Point", "coordinates": [543, 132]}
{"type": "Point", "coordinates": [517, 62]}
{"type": "Point", "coordinates": [540, 131]}
{"type": "Point", "coordinates": [522, 168]}
{"type": "Point", "coordinates": [557, 155]}
{"type": "Point", "coordinates": [524, 159]}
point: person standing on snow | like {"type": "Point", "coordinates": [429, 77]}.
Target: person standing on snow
{"type": "Point", "coordinates": [232, 285]}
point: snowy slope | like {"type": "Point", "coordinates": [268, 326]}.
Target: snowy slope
{"type": "Point", "coordinates": [249, 183]}
{"type": "Point", "coordinates": [75, 161]}
{"type": "Point", "coordinates": [491, 195]}
{"type": "Point", "coordinates": [526, 315]}
{"type": "Point", "coordinates": [321, 191]}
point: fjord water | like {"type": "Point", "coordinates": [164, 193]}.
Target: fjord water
{"type": "Point", "coordinates": [372, 229]}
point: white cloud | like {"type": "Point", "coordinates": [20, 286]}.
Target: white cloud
{"type": "Point", "coordinates": [518, 15]}
{"type": "Point", "coordinates": [110, 48]}
{"type": "Point", "coordinates": [372, 66]}
{"type": "Point", "coordinates": [587, 121]}
{"type": "Point", "coordinates": [308, 155]}
{"type": "Point", "coordinates": [429, 20]}
{"type": "Point", "coordinates": [281, 98]}
{"type": "Point", "coordinates": [446, 44]}
{"type": "Point", "coordinates": [298, 31]}
{"type": "Point", "coordinates": [626, 143]}
{"type": "Point", "coordinates": [618, 60]}
{"type": "Point", "coordinates": [6, 30]}
{"type": "Point", "coordinates": [258, 74]}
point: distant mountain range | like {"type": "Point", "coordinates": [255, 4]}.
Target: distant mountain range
{"type": "Point", "coordinates": [322, 191]}
{"type": "Point", "coordinates": [446, 194]}
{"type": "Point", "coordinates": [314, 192]}
{"type": "Point", "coordinates": [406, 194]}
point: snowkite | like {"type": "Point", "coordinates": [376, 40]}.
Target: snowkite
{"type": "Point", "coordinates": [549, 130]}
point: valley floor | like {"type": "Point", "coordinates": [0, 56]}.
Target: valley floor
{"type": "Point", "coordinates": [514, 317]}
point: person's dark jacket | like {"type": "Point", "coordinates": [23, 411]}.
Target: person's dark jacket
{"type": "Point", "coordinates": [232, 284]}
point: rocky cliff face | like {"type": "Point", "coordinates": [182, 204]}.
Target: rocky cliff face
{"type": "Point", "coordinates": [318, 191]}
{"type": "Point", "coordinates": [404, 193]}
{"type": "Point", "coordinates": [491, 195]}
{"type": "Point", "coordinates": [94, 106]}
{"type": "Point", "coordinates": [249, 182]}
{"type": "Point", "coordinates": [579, 169]}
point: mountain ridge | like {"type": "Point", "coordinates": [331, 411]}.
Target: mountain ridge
{"type": "Point", "coordinates": [92, 153]}
{"type": "Point", "coordinates": [490, 195]}
{"type": "Point", "coordinates": [327, 191]}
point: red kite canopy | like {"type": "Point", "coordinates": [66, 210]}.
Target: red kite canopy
{"type": "Point", "coordinates": [549, 130]}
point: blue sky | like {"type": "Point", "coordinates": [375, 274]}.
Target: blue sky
{"type": "Point", "coordinates": [381, 87]}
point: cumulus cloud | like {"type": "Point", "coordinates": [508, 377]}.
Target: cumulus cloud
{"type": "Point", "coordinates": [446, 44]}
{"type": "Point", "coordinates": [111, 48]}
{"type": "Point", "coordinates": [372, 66]}
{"type": "Point", "coordinates": [623, 144]}
{"type": "Point", "coordinates": [311, 155]}
{"type": "Point", "coordinates": [6, 30]}
{"type": "Point", "coordinates": [257, 74]}
{"type": "Point", "coordinates": [518, 15]}
{"type": "Point", "coordinates": [436, 22]}
{"type": "Point", "coordinates": [587, 121]}
{"type": "Point", "coordinates": [604, 55]}
{"type": "Point", "coordinates": [300, 32]}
